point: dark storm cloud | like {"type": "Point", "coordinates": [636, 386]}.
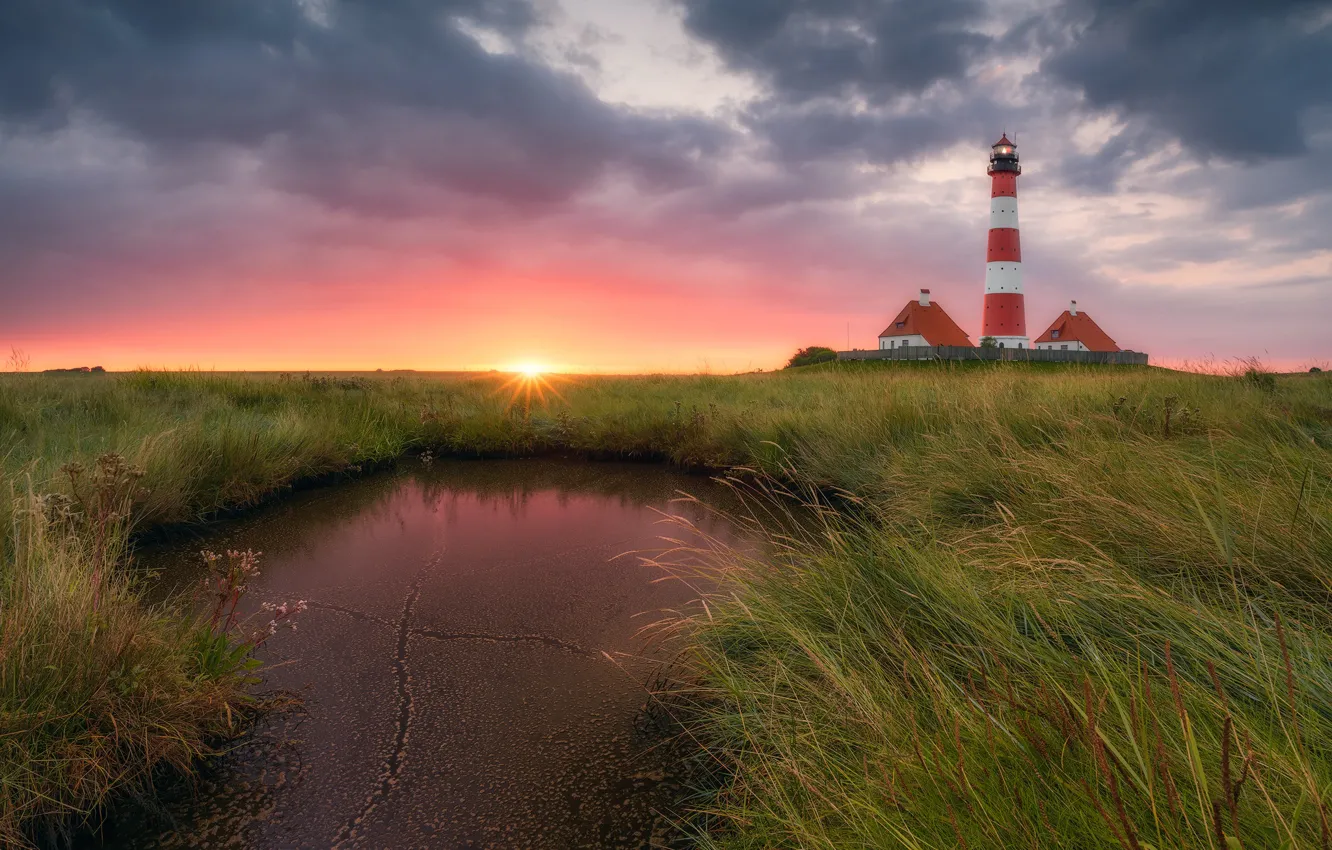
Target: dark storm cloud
{"type": "Point", "coordinates": [332, 95]}
{"type": "Point", "coordinates": [1229, 78]}
{"type": "Point", "coordinates": [1100, 170]}
{"type": "Point", "coordinates": [851, 79]}
{"type": "Point", "coordinates": [878, 49]}
{"type": "Point", "coordinates": [1235, 79]}
{"type": "Point", "coordinates": [59, 54]}
{"type": "Point", "coordinates": [885, 137]}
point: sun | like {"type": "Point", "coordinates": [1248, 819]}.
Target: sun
{"type": "Point", "coordinates": [530, 379]}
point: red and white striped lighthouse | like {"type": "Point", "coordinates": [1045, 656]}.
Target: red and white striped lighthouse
{"type": "Point", "coordinates": [1005, 317]}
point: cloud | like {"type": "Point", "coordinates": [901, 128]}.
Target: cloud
{"type": "Point", "coordinates": [882, 81]}
{"type": "Point", "coordinates": [1233, 79]}
{"type": "Point", "coordinates": [887, 80]}
{"type": "Point", "coordinates": [872, 49]}
{"type": "Point", "coordinates": [332, 95]}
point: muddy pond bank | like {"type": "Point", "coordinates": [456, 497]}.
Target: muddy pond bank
{"type": "Point", "coordinates": [470, 664]}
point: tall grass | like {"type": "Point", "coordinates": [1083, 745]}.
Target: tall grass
{"type": "Point", "coordinates": [865, 685]}
{"type": "Point", "coordinates": [1051, 607]}
{"type": "Point", "coordinates": [1069, 621]}
{"type": "Point", "coordinates": [97, 690]}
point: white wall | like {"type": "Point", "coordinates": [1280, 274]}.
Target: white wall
{"type": "Point", "coordinates": [1062, 345]}
{"type": "Point", "coordinates": [899, 341]}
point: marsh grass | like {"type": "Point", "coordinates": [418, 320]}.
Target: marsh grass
{"type": "Point", "coordinates": [1039, 626]}
{"type": "Point", "coordinates": [98, 691]}
{"type": "Point", "coordinates": [1078, 606]}
{"type": "Point", "coordinates": [858, 687]}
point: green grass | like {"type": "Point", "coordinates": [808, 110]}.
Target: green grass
{"type": "Point", "coordinates": [970, 648]}
{"type": "Point", "coordinates": [97, 689]}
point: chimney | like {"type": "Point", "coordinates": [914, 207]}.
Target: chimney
{"type": "Point", "coordinates": [1072, 308]}
{"type": "Point", "coordinates": [924, 298]}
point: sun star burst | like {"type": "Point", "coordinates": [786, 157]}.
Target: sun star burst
{"type": "Point", "coordinates": [528, 380]}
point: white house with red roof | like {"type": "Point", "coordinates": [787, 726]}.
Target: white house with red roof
{"type": "Point", "coordinates": [923, 323]}
{"type": "Point", "coordinates": [1074, 331]}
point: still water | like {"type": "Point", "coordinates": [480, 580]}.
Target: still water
{"type": "Point", "coordinates": [470, 665]}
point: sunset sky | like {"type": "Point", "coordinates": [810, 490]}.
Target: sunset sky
{"type": "Point", "coordinates": [631, 185]}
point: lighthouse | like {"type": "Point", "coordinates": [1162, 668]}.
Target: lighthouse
{"type": "Point", "coordinates": [1004, 318]}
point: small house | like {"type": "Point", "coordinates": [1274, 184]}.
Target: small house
{"type": "Point", "coordinates": [1074, 331]}
{"type": "Point", "coordinates": [923, 323]}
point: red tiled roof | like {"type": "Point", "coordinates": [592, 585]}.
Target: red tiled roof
{"type": "Point", "coordinates": [931, 322]}
{"type": "Point", "coordinates": [1079, 328]}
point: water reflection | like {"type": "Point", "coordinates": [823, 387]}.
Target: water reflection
{"type": "Point", "coordinates": [470, 665]}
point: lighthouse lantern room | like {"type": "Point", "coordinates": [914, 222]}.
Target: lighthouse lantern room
{"type": "Point", "coordinates": [1004, 318]}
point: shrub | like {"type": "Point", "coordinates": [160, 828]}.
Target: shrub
{"type": "Point", "coordinates": [812, 355]}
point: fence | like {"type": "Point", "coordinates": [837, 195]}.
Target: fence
{"type": "Point", "coordinates": [1033, 355]}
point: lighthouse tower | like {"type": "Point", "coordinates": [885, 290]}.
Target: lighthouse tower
{"type": "Point", "coordinates": [1005, 317]}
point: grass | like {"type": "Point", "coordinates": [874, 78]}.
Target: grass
{"type": "Point", "coordinates": [1078, 606]}
{"type": "Point", "coordinates": [98, 691]}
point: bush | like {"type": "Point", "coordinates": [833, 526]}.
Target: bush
{"type": "Point", "coordinates": [812, 355]}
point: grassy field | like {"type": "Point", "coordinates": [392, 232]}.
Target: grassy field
{"type": "Point", "coordinates": [1081, 607]}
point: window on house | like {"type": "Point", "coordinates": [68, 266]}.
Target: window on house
{"type": "Point", "coordinates": [1063, 348]}
{"type": "Point", "coordinates": [1054, 334]}
{"type": "Point", "coordinates": [901, 324]}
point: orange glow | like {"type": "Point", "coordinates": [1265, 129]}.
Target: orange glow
{"type": "Point", "coordinates": [536, 326]}
{"type": "Point", "coordinates": [572, 323]}
{"type": "Point", "coordinates": [527, 382]}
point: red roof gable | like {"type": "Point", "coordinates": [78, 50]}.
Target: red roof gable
{"type": "Point", "coordinates": [1003, 140]}
{"type": "Point", "coordinates": [1079, 328]}
{"type": "Point", "coordinates": [931, 322]}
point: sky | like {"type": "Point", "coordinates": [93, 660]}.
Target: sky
{"type": "Point", "coordinates": [650, 185]}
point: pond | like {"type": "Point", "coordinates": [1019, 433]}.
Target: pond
{"type": "Point", "coordinates": [470, 666]}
